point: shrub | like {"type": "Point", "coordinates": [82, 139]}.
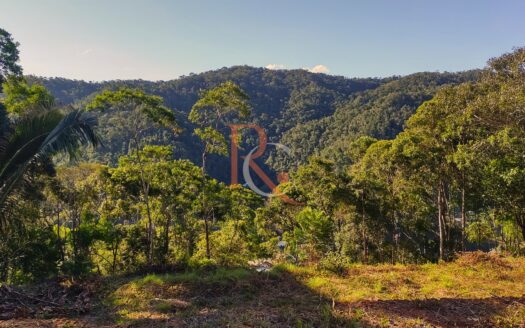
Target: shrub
{"type": "Point", "coordinates": [334, 262]}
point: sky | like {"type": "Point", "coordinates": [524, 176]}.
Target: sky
{"type": "Point", "coordinates": [164, 39]}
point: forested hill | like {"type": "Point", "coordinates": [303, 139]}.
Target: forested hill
{"type": "Point", "coordinates": [304, 110]}
{"type": "Point", "coordinates": [380, 113]}
{"type": "Point", "coordinates": [280, 98]}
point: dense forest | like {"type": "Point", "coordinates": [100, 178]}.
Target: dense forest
{"type": "Point", "coordinates": [303, 110]}
{"type": "Point", "coordinates": [388, 183]}
{"type": "Point", "coordinates": [125, 176]}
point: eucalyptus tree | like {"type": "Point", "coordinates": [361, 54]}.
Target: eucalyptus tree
{"type": "Point", "coordinates": [9, 57]}
{"type": "Point", "coordinates": [137, 174]}
{"type": "Point", "coordinates": [177, 183]}
{"type": "Point", "coordinates": [216, 108]}
{"type": "Point", "coordinates": [374, 180]}
{"type": "Point", "coordinates": [138, 111]}
{"type": "Point", "coordinates": [499, 112]}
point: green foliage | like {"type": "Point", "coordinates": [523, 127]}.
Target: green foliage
{"type": "Point", "coordinates": [214, 141]}
{"type": "Point", "coordinates": [214, 111]}
{"type": "Point", "coordinates": [373, 185]}
{"type": "Point", "coordinates": [334, 262]}
{"type": "Point", "coordinates": [21, 98]}
{"type": "Point", "coordinates": [150, 106]}
{"type": "Point", "coordinates": [130, 113]}
{"type": "Point", "coordinates": [480, 231]}
{"type": "Point", "coordinates": [201, 262]}
{"type": "Point", "coordinates": [145, 213]}
{"type": "Point", "coordinates": [9, 56]}
{"type": "Point", "coordinates": [279, 100]}
{"type": "Point", "coordinates": [415, 197]}
{"type": "Point", "coordinates": [314, 230]}
{"type": "Point", "coordinates": [82, 238]}
{"type": "Point", "coordinates": [220, 102]}
{"type": "Point", "coordinates": [30, 143]}
{"type": "Point", "coordinates": [229, 246]}
{"type": "Point", "coordinates": [379, 112]}
{"type": "Point", "coordinates": [35, 255]}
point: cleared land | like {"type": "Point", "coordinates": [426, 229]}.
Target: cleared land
{"type": "Point", "coordinates": [477, 290]}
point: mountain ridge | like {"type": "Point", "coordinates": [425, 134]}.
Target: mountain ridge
{"type": "Point", "coordinates": [286, 103]}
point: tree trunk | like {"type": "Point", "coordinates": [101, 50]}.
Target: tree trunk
{"type": "Point", "coordinates": [448, 219]}
{"type": "Point", "coordinates": [208, 253]}
{"type": "Point", "coordinates": [114, 264]}
{"type": "Point", "coordinates": [4, 274]}
{"type": "Point", "coordinates": [166, 237]}
{"type": "Point", "coordinates": [396, 236]}
{"type": "Point", "coordinates": [190, 244]}
{"type": "Point", "coordinates": [363, 228]}
{"type": "Point", "coordinates": [59, 239]}
{"type": "Point", "coordinates": [203, 167]}
{"type": "Point", "coordinates": [204, 210]}
{"type": "Point", "coordinates": [145, 191]}
{"type": "Point", "coordinates": [150, 230]}
{"type": "Point", "coordinates": [463, 217]}
{"type": "Point", "coordinates": [440, 222]}
{"type": "Point", "coordinates": [521, 224]}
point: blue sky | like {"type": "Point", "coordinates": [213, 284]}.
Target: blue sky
{"type": "Point", "coordinates": [161, 39]}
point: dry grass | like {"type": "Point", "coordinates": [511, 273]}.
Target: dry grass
{"type": "Point", "coordinates": [466, 277]}
{"type": "Point", "coordinates": [235, 298]}
{"type": "Point", "coordinates": [477, 290]}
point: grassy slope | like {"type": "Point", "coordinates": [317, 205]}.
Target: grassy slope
{"type": "Point", "coordinates": [474, 291]}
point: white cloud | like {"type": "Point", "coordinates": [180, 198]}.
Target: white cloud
{"type": "Point", "coordinates": [315, 69]}
{"type": "Point", "coordinates": [86, 52]}
{"type": "Point", "coordinates": [83, 52]}
{"type": "Point", "coordinates": [275, 66]}
{"type": "Point", "coordinates": [318, 69]}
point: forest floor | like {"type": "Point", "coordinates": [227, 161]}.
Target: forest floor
{"type": "Point", "coordinates": [477, 290]}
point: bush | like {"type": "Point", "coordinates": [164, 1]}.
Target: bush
{"type": "Point", "coordinates": [334, 262]}
{"type": "Point", "coordinates": [491, 259]}
{"type": "Point", "coordinates": [229, 245]}
{"type": "Point", "coordinates": [205, 264]}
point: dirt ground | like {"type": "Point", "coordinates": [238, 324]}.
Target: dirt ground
{"type": "Point", "coordinates": [474, 291]}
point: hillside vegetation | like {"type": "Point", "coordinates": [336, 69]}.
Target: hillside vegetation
{"type": "Point", "coordinates": [302, 110]}
{"type": "Point", "coordinates": [113, 208]}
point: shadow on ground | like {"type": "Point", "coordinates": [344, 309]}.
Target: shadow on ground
{"type": "Point", "coordinates": [444, 312]}
{"type": "Point", "coordinates": [243, 298]}
{"type": "Point", "coordinates": [236, 300]}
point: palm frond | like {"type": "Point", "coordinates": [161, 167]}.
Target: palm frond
{"type": "Point", "coordinates": [74, 131]}
{"type": "Point", "coordinates": [36, 139]}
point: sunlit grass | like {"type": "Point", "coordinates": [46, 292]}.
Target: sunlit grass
{"type": "Point", "coordinates": [236, 291]}
{"type": "Point", "coordinates": [410, 282]}
{"type": "Point", "coordinates": [155, 295]}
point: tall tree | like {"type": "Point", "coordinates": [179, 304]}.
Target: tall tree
{"type": "Point", "coordinates": [213, 111]}
{"type": "Point", "coordinates": [9, 56]}
{"type": "Point", "coordinates": [139, 110]}
{"type": "Point", "coordinates": [499, 112]}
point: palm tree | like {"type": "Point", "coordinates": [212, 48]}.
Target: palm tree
{"type": "Point", "coordinates": [28, 144]}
